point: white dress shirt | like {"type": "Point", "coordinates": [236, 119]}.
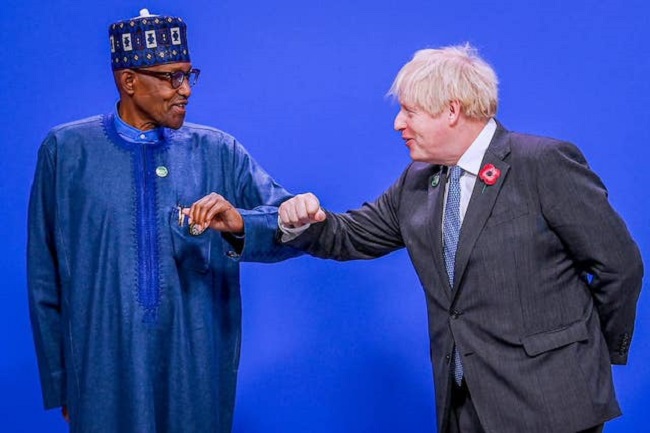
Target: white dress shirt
{"type": "Point", "coordinates": [470, 162]}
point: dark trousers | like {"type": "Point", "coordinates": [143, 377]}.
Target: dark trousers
{"type": "Point", "coordinates": [463, 417]}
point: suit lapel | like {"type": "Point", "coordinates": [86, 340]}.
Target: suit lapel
{"type": "Point", "coordinates": [481, 203]}
{"type": "Point", "coordinates": [436, 200]}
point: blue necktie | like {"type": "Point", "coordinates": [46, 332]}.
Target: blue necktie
{"type": "Point", "coordinates": [450, 231]}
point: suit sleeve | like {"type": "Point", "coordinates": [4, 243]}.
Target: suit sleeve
{"type": "Point", "coordinates": [44, 282]}
{"type": "Point", "coordinates": [575, 204]}
{"type": "Point", "coordinates": [368, 232]}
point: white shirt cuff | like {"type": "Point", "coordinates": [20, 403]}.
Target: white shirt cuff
{"type": "Point", "coordinates": [290, 233]}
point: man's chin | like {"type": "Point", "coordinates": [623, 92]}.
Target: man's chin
{"type": "Point", "coordinates": [423, 158]}
{"type": "Point", "coordinates": [416, 156]}
{"type": "Point", "coordinates": [175, 123]}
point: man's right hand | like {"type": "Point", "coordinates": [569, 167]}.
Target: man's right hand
{"type": "Point", "coordinates": [300, 210]}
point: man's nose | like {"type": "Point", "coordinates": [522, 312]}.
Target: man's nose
{"type": "Point", "coordinates": [399, 123]}
{"type": "Point", "coordinates": [185, 89]}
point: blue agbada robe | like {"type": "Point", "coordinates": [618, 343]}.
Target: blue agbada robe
{"type": "Point", "coordinates": [137, 323]}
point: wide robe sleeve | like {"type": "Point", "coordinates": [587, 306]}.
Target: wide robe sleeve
{"type": "Point", "coordinates": [44, 279]}
{"type": "Point", "coordinates": [574, 203]}
{"type": "Point", "coordinates": [258, 197]}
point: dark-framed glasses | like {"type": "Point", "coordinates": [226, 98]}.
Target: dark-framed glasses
{"type": "Point", "coordinates": [175, 78]}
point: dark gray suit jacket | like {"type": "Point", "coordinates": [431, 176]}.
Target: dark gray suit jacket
{"type": "Point", "coordinates": [547, 281]}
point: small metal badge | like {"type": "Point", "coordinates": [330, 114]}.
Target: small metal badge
{"type": "Point", "coordinates": [161, 171]}
{"type": "Point", "coordinates": [435, 180]}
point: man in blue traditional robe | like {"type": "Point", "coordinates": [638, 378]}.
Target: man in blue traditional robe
{"type": "Point", "coordinates": [135, 306]}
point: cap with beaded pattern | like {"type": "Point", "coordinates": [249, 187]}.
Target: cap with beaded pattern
{"type": "Point", "coordinates": [148, 40]}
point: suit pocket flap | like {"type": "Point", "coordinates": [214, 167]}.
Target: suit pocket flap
{"type": "Point", "coordinates": [549, 340]}
{"type": "Point", "coordinates": [506, 216]}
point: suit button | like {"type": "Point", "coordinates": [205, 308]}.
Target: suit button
{"type": "Point", "coordinates": [455, 314]}
{"type": "Point", "coordinates": [448, 357]}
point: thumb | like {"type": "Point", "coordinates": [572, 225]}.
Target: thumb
{"type": "Point", "coordinates": [320, 216]}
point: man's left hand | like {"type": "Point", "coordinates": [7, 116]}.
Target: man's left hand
{"type": "Point", "coordinates": [216, 212]}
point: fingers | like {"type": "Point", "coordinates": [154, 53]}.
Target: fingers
{"type": "Point", "coordinates": [206, 208]}
{"type": "Point", "coordinates": [300, 210]}
{"type": "Point", "coordinates": [214, 211]}
{"type": "Point", "coordinates": [312, 205]}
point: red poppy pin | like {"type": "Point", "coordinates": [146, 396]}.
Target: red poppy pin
{"type": "Point", "coordinates": [489, 174]}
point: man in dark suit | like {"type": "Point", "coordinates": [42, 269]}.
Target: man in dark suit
{"type": "Point", "coordinates": [531, 278]}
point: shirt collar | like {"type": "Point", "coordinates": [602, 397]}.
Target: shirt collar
{"type": "Point", "coordinates": [134, 135]}
{"type": "Point", "coordinates": [471, 160]}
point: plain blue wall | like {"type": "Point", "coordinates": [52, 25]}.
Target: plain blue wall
{"type": "Point", "coordinates": [330, 347]}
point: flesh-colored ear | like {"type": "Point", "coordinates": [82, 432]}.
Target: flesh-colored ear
{"type": "Point", "coordinates": [126, 79]}
{"type": "Point", "coordinates": [453, 112]}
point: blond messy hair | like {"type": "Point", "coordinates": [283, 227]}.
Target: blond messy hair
{"type": "Point", "coordinates": [435, 77]}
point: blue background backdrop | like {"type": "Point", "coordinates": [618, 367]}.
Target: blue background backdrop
{"type": "Point", "coordinates": [330, 347]}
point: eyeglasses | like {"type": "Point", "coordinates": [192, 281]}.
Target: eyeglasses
{"type": "Point", "coordinates": [176, 78]}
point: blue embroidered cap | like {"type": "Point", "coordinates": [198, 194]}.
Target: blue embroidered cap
{"type": "Point", "coordinates": [148, 40]}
